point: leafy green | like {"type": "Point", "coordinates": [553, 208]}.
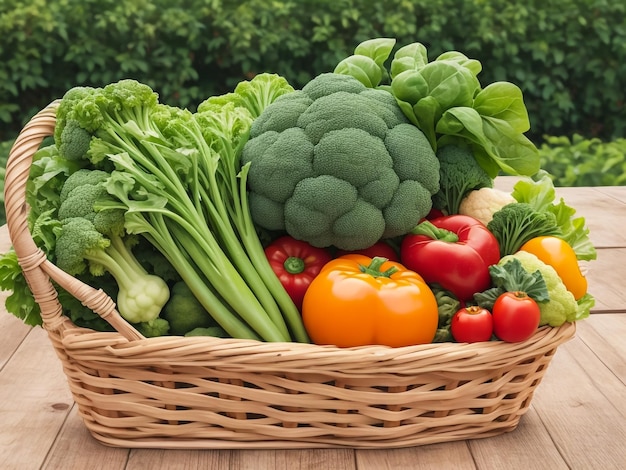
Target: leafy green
{"type": "Point", "coordinates": [445, 99]}
{"type": "Point", "coordinates": [20, 302]}
{"type": "Point", "coordinates": [518, 222]}
{"type": "Point", "coordinates": [540, 194]}
{"type": "Point", "coordinates": [447, 306]}
{"type": "Point", "coordinates": [511, 277]}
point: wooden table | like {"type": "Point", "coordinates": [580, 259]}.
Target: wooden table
{"type": "Point", "coordinates": [577, 418]}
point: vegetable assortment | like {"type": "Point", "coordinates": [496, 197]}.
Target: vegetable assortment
{"type": "Point", "coordinates": [359, 210]}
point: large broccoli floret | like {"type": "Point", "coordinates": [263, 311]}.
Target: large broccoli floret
{"type": "Point", "coordinates": [459, 174]}
{"type": "Point", "coordinates": [339, 164]}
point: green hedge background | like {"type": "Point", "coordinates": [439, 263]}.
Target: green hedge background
{"type": "Point", "coordinates": [568, 56]}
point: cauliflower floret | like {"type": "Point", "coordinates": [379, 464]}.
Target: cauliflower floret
{"type": "Point", "coordinates": [484, 202]}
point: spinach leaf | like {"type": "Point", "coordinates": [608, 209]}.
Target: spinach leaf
{"type": "Point", "coordinates": [445, 99]}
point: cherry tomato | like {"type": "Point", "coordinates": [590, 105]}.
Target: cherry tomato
{"type": "Point", "coordinates": [515, 317]}
{"type": "Point", "coordinates": [472, 324]}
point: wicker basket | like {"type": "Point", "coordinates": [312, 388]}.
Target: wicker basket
{"type": "Point", "coordinates": [201, 392]}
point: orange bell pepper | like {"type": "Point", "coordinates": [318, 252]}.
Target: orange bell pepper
{"type": "Point", "coordinates": [356, 300]}
{"type": "Point", "coordinates": [562, 257]}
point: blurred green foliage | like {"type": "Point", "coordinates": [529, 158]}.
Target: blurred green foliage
{"type": "Point", "coordinates": [577, 161]}
{"type": "Point", "coordinates": [568, 56]}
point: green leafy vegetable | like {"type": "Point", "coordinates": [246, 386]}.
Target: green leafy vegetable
{"type": "Point", "coordinates": [447, 306]}
{"type": "Point", "coordinates": [540, 194]}
{"type": "Point", "coordinates": [445, 99]}
{"type": "Point", "coordinates": [516, 223]}
{"type": "Point", "coordinates": [511, 277]}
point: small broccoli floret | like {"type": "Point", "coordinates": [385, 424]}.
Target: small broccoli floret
{"type": "Point", "coordinates": [338, 164]}
{"type": "Point", "coordinates": [69, 99]}
{"type": "Point", "coordinates": [184, 313]}
{"type": "Point", "coordinates": [80, 247]}
{"type": "Point", "coordinates": [79, 178]}
{"type": "Point", "coordinates": [516, 223]}
{"type": "Point", "coordinates": [254, 95]}
{"type": "Point", "coordinates": [561, 306]}
{"type": "Point", "coordinates": [153, 328]}
{"type": "Point", "coordinates": [96, 241]}
{"type": "Point", "coordinates": [74, 141]}
{"type": "Point", "coordinates": [460, 173]}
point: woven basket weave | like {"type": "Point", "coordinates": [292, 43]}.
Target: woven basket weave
{"type": "Point", "coordinates": [202, 392]}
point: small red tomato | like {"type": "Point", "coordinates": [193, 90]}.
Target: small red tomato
{"type": "Point", "coordinates": [515, 316]}
{"type": "Point", "coordinates": [472, 324]}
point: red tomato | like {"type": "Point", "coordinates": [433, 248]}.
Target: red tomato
{"type": "Point", "coordinates": [472, 324]}
{"type": "Point", "coordinates": [515, 317]}
{"type": "Point", "coordinates": [382, 249]}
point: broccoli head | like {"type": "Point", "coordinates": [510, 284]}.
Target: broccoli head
{"type": "Point", "coordinates": [337, 163]}
{"type": "Point", "coordinates": [518, 222]}
{"type": "Point", "coordinates": [184, 312]}
{"type": "Point", "coordinates": [459, 174]}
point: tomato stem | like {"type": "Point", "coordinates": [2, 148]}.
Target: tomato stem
{"type": "Point", "coordinates": [374, 268]}
{"type": "Point", "coordinates": [428, 229]}
{"type": "Point", "coordinates": [294, 265]}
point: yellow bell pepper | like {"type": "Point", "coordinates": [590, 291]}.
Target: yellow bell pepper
{"type": "Point", "coordinates": [561, 256]}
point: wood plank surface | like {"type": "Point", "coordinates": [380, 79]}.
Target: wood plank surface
{"type": "Point", "coordinates": [580, 402]}
{"type": "Point", "coordinates": [34, 403]}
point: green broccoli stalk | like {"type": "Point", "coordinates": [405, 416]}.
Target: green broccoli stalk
{"type": "Point", "coordinates": [81, 247]}
{"type": "Point", "coordinates": [518, 222]}
{"type": "Point", "coordinates": [176, 181]}
{"type": "Point", "coordinates": [338, 164]}
{"type": "Point", "coordinates": [459, 174]}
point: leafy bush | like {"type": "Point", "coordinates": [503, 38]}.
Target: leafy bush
{"type": "Point", "coordinates": [584, 162]}
{"type": "Point", "coordinates": [5, 147]}
{"type": "Point", "coordinates": [567, 55]}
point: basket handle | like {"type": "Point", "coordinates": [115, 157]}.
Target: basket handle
{"type": "Point", "coordinates": [37, 269]}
